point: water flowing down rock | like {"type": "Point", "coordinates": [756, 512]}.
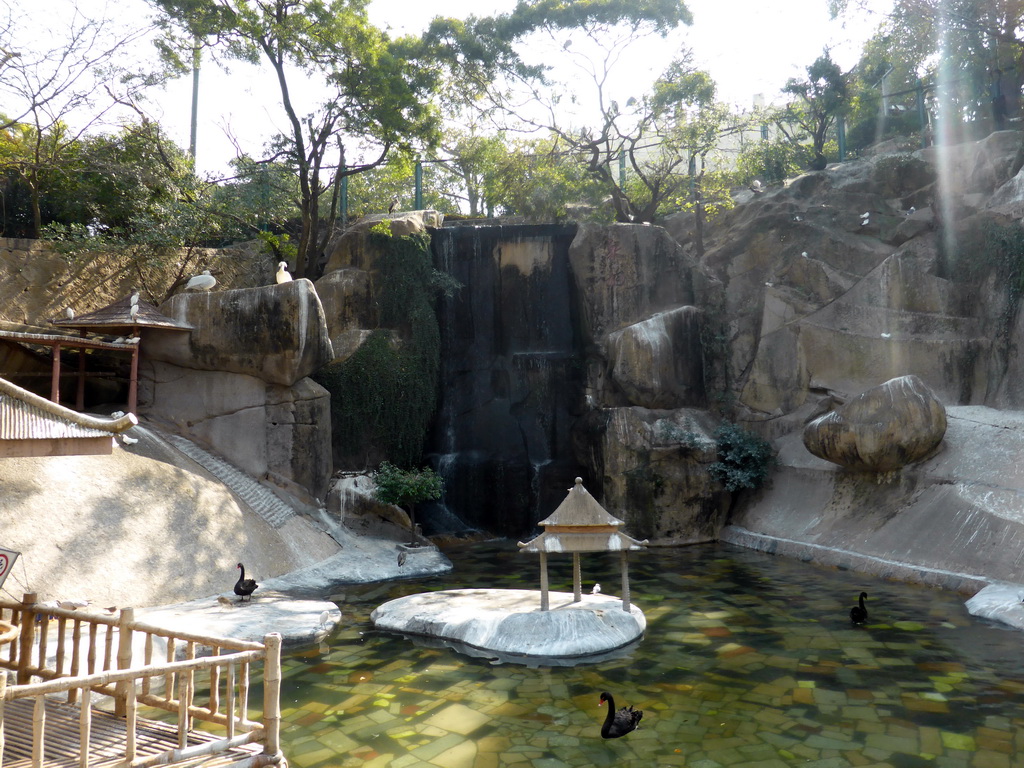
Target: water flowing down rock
{"type": "Point", "coordinates": [882, 430]}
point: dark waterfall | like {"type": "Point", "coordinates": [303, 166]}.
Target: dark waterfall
{"type": "Point", "coordinates": [511, 376]}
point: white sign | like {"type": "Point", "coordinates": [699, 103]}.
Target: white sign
{"type": "Point", "coordinates": [7, 558]}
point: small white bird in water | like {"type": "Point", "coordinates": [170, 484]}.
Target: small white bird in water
{"type": "Point", "coordinates": [596, 590]}
{"type": "Point", "coordinates": [203, 282]}
{"type": "Point", "coordinates": [283, 275]}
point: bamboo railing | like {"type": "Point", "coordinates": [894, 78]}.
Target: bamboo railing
{"type": "Point", "coordinates": [199, 678]}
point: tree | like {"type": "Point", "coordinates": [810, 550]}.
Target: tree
{"type": "Point", "coordinates": [406, 488]}
{"type": "Point", "coordinates": [379, 93]}
{"type": "Point", "coordinates": [820, 98]}
{"type": "Point", "coordinates": [53, 96]}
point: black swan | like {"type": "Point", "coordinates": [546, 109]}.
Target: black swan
{"type": "Point", "coordinates": [859, 614]}
{"type": "Point", "coordinates": [618, 722]}
{"type": "Point", "coordinates": [244, 587]}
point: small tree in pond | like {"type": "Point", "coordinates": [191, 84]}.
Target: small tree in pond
{"type": "Point", "coordinates": [406, 488]}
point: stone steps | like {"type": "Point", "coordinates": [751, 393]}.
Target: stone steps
{"type": "Point", "coordinates": [259, 499]}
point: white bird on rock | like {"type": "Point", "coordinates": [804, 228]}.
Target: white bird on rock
{"type": "Point", "coordinates": [203, 282]}
{"type": "Point", "coordinates": [596, 590]}
{"type": "Point", "coordinates": [282, 276]}
{"type": "Point", "coordinates": [129, 440]}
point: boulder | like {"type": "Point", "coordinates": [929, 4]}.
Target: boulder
{"type": "Point", "coordinates": [658, 363]}
{"type": "Point", "coordinates": [354, 248]}
{"type": "Point", "coordinates": [882, 430]}
{"type": "Point", "coordinates": [349, 308]}
{"type": "Point", "coordinates": [625, 273]}
{"type": "Point", "coordinates": [276, 333]}
{"type": "Point", "coordinates": [653, 467]}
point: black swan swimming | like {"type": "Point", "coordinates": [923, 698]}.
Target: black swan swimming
{"type": "Point", "coordinates": [618, 722]}
{"type": "Point", "coordinates": [244, 587]}
{"type": "Point", "coordinates": [859, 614]}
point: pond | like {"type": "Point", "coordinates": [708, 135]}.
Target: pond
{"type": "Point", "coordinates": [748, 660]}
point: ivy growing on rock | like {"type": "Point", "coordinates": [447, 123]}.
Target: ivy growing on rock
{"type": "Point", "coordinates": [384, 396]}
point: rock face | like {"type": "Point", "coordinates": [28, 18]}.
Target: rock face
{"type": "Point", "coordinates": [882, 430]}
{"type": "Point", "coordinates": [287, 437]}
{"type": "Point", "coordinates": [244, 371]}
{"type": "Point", "coordinates": [276, 333]}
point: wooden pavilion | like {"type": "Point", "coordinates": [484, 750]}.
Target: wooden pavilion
{"type": "Point", "coordinates": [124, 320]}
{"type": "Point", "coordinates": [581, 524]}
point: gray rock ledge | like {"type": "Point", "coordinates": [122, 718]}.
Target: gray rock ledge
{"type": "Point", "coordinates": [510, 624]}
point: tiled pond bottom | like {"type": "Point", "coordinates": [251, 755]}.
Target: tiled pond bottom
{"type": "Point", "coordinates": [748, 660]}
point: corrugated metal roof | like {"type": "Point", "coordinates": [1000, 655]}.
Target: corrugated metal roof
{"type": "Point", "coordinates": [26, 416]}
{"type": "Point", "coordinates": [119, 315]}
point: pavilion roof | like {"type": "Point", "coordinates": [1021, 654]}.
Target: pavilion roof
{"type": "Point", "coordinates": [581, 524]}
{"type": "Point", "coordinates": [118, 316]}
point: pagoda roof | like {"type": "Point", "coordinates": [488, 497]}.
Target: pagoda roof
{"type": "Point", "coordinates": [118, 316]}
{"type": "Point", "coordinates": [581, 524]}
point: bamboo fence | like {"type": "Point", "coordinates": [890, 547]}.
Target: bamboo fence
{"type": "Point", "coordinates": [69, 658]}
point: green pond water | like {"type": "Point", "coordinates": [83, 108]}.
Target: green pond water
{"type": "Point", "coordinates": [748, 660]}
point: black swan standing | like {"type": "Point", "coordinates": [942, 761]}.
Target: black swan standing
{"type": "Point", "coordinates": [244, 587]}
{"type": "Point", "coordinates": [859, 614]}
{"type": "Point", "coordinates": [618, 722]}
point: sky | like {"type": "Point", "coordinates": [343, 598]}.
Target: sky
{"type": "Point", "coordinates": [749, 46]}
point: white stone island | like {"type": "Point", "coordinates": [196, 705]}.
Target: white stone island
{"type": "Point", "coordinates": [509, 623]}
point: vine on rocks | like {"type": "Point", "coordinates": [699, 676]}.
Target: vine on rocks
{"type": "Point", "coordinates": [384, 396]}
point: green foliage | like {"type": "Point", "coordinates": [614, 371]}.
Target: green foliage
{"type": "Point", "coordinates": [744, 458]}
{"type": "Point", "coordinates": [771, 160]}
{"type": "Point", "coordinates": [821, 97]}
{"type": "Point", "coordinates": [384, 395]}
{"type": "Point", "coordinates": [405, 487]}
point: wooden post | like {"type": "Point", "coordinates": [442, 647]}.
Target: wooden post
{"type": "Point", "coordinates": [625, 581]}
{"type": "Point", "coordinates": [55, 375]}
{"type": "Point", "coordinates": [80, 387]}
{"type": "Point", "coordinates": [133, 381]}
{"type": "Point", "coordinates": [38, 731]}
{"type": "Point", "coordinates": [124, 657]}
{"type": "Point", "coordinates": [27, 639]}
{"type": "Point", "coordinates": [84, 727]}
{"type": "Point", "coordinates": [3, 698]}
{"type": "Point", "coordinates": [577, 593]}
{"type": "Point", "coordinates": [272, 694]}
{"type": "Point", "coordinates": [543, 581]}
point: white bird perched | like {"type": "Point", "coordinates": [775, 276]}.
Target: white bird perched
{"type": "Point", "coordinates": [865, 222]}
{"type": "Point", "coordinates": [134, 300]}
{"type": "Point", "coordinates": [203, 282]}
{"type": "Point", "coordinates": [596, 590]}
{"type": "Point", "coordinates": [133, 311]}
{"type": "Point", "coordinates": [117, 414]}
{"type": "Point", "coordinates": [133, 340]}
{"type": "Point", "coordinates": [324, 618]}
{"type": "Point", "coordinates": [804, 254]}
{"type": "Point", "coordinates": [69, 313]}
{"type": "Point", "coordinates": [865, 214]}
{"type": "Point", "coordinates": [755, 186]}
{"type": "Point", "coordinates": [911, 210]}
{"type": "Point", "coordinates": [797, 218]}
{"type": "Point", "coordinates": [129, 440]}
{"type": "Point", "coordinates": [283, 276]}
{"type": "Point", "coordinates": [886, 335]}
{"type": "Point", "coordinates": [72, 605]}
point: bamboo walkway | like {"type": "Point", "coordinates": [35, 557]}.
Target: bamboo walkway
{"type": "Point", "coordinates": [106, 741]}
